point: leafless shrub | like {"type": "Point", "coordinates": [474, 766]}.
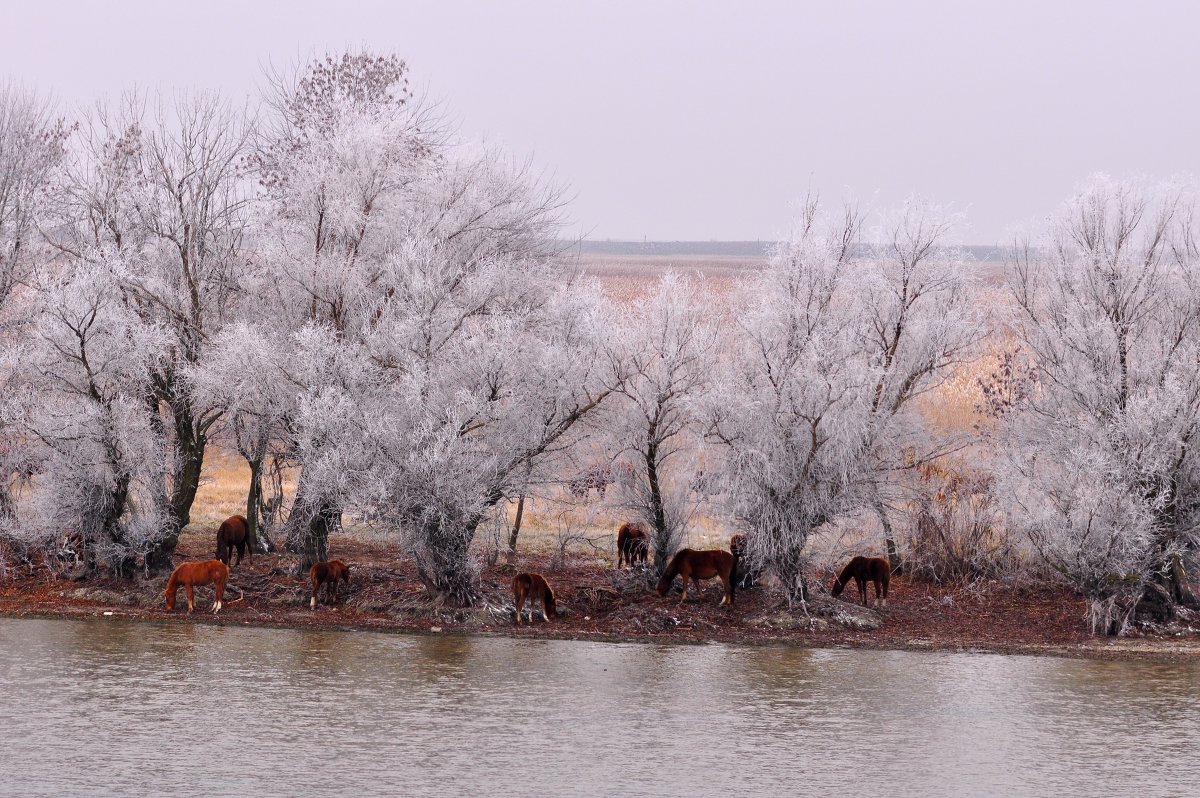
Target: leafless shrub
{"type": "Point", "coordinates": [956, 531]}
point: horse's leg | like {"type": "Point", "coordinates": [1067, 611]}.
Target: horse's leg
{"type": "Point", "coordinates": [725, 582]}
{"type": "Point", "coordinates": [683, 598]}
{"type": "Point", "coordinates": [520, 604]}
{"type": "Point", "coordinates": [219, 589]}
{"type": "Point", "coordinates": [191, 600]}
{"type": "Point", "coordinates": [316, 586]}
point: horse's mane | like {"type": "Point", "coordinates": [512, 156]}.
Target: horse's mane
{"type": "Point", "coordinates": [675, 564]}
{"type": "Point", "coordinates": [847, 573]}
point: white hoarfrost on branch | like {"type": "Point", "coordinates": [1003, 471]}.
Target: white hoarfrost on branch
{"type": "Point", "coordinates": [1102, 470]}
{"type": "Point", "coordinates": [88, 368]}
{"type": "Point", "coordinates": [834, 341]}
{"type": "Point", "coordinates": [673, 349]}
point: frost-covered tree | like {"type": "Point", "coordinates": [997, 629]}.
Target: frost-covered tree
{"type": "Point", "coordinates": [490, 368]}
{"type": "Point", "coordinates": [422, 278]}
{"type": "Point", "coordinates": [88, 368]}
{"type": "Point", "coordinates": [921, 320]}
{"type": "Point", "coordinates": [246, 377]}
{"type": "Point", "coordinates": [1102, 469]}
{"type": "Point", "coordinates": [32, 145]}
{"type": "Point", "coordinates": [164, 190]}
{"type": "Point", "coordinates": [835, 340]}
{"type": "Point", "coordinates": [336, 159]}
{"type": "Point", "coordinates": [673, 353]}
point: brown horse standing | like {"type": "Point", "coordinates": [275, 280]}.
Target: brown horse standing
{"type": "Point", "coordinates": [632, 545]}
{"type": "Point", "coordinates": [860, 569]}
{"type": "Point", "coordinates": [193, 574]}
{"type": "Point", "coordinates": [234, 532]}
{"type": "Point", "coordinates": [535, 588]}
{"type": "Point", "coordinates": [697, 565]}
{"type": "Point", "coordinates": [327, 573]}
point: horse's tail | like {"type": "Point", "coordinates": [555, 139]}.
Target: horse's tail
{"type": "Point", "coordinates": [733, 572]}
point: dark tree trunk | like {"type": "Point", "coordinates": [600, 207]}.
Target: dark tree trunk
{"type": "Point", "coordinates": [889, 539]}
{"type": "Point", "coordinates": [662, 542]}
{"type": "Point", "coordinates": [444, 564]}
{"type": "Point", "coordinates": [309, 537]}
{"type": "Point", "coordinates": [511, 558]}
{"type": "Point", "coordinates": [189, 462]}
{"type": "Point", "coordinates": [254, 503]}
{"type": "Point", "coordinates": [126, 566]}
{"type": "Point", "coordinates": [191, 439]}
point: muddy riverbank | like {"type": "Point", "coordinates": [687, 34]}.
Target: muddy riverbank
{"type": "Point", "coordinates": [601, 603]}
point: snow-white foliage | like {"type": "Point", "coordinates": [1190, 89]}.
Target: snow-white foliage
{"type": "Point", "coordinates": [88, 369]}
{"type": "Point", "coordinates": [438, 355]}
{"type": "Point", "coordinates": [834, 340]}
{"type": "Point", "coordinates": [673, 349]}
{"type": "Point", "coordinates": [32, 143]}
{"type": "Point", "coordinates": [1102, 471]}
{"type": "Point", "coordinates": [164, 189]}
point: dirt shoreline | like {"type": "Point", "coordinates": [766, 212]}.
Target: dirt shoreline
{"type": "Point", "coordinates": [602, 604]}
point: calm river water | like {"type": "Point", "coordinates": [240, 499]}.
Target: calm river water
{"type": "Point", "coordinates": [118, 708]}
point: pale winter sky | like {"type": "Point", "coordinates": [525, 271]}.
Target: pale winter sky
{"type": "Point", "coordinates": [701, 120]}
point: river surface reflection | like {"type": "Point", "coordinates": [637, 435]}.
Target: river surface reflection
{"type": "Point", "coordinates": [122, 708]}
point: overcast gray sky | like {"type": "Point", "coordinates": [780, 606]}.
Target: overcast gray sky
{"type": "Point", "coordinates": [700, 120]}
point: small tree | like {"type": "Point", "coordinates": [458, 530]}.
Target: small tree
{"type": "Point", "coordinates": [32, 146]}
{"type": "Point", "coordinates": [835, 340]}
{"type": "Point", "coordinates": [1101, 469]}
{"type": "Point", "coordinates": [336, 158]}
{"type": "Point", "coordinates": [165, 193]}
{"type": "Point", "coordinates": [672, 339]}
{"type": "Point", "coordinates": [246, 376]}
{"type": "Point", "coordinates": [89, 369]}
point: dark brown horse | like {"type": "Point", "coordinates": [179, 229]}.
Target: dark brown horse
{"type": "Point", "coordinates": [746, 574]}
{"type": "Point", "coordinates": [697, 565]}
{"type": "Point", "coordinates": [193, 574]}
{"type": "Point", "coordinates": [234, 532]}
{"type": "Point", "coordinates": [860, 569]}
{"type": "Point", "coordinates": [535, 588]}
{"type": "Point", "coordinates": [632, 545]}
{"type": "Point", "coordinates": [327, 573]}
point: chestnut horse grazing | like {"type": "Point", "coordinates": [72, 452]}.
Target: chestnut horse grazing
{"type": "Point", "coordinates": [234, 532]}
{"type": "Point", "coordinates": [328, 573]}
{"type": "Point", "coordinates": [632, 545]}
{"type": "Point", "coordinates": [697, 565]}
{"type": "Point", "coordinates": [860, 569]}
{"type": "Point", "coordinates": [535, 588]}
{"type": "Point", "coordinates": [193, 574]}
